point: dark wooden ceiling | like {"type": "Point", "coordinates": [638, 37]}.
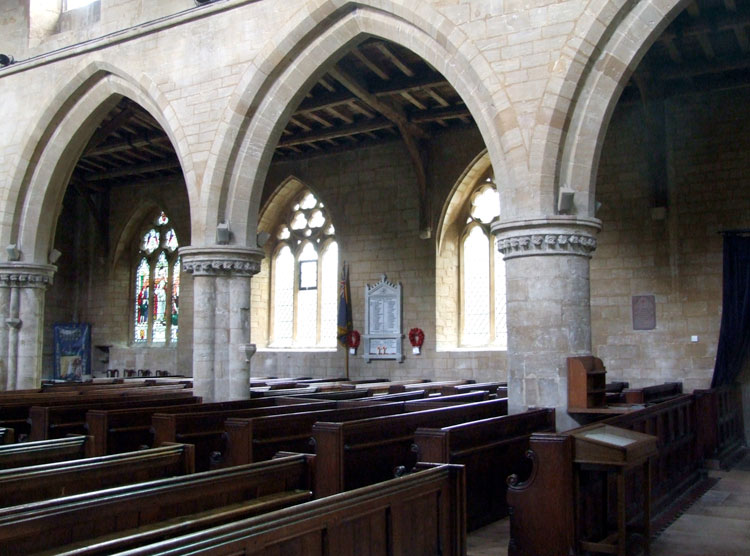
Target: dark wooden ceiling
{"type": "Point", "coordinates": [380, 91]}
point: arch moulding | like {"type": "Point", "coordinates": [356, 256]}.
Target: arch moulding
{"type": "Point", "coordinates": [67, 124]}
{"type": "Point", "coordinates": [621, 47]}
{"type": "Point", "coordinates": [264, 100]}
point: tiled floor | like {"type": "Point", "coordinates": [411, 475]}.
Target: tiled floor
{"type": "Point", "coordinates": [718, 524]}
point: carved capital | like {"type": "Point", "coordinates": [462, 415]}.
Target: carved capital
{"type": "Point", "coordinates": [25, 275]}
{"type": "Point", "coordinates": [221, 261]}
{"type": "Point", "coordinates": [547, 236]}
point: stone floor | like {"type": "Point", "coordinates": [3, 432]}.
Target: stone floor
{"type": "Point", "coordinates": [718, 524]}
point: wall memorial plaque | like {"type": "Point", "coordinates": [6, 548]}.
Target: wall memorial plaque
{"type": "Point", "coordinates": [382, 338]}
{"type": "Point", "coordinates": [644, 312]}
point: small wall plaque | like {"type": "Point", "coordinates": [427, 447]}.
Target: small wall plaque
{"type": "Point", "coordinates": [644, 312]}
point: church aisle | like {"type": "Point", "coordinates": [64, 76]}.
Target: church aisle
{"type": "Point", "coordinates": [718, 524]}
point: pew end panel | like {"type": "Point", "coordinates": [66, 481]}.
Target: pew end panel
{"type": "Point", "coordinates": [541, 507]}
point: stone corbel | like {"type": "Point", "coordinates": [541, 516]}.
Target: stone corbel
{"type": "Point", "coordinates": [249, 350]}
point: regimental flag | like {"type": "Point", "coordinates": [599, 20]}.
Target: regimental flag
{"type": "Point", "coordinates": [345, 307]}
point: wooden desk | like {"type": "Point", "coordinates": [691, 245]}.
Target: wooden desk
{"type": "Point", "coordinates": [612, 450]}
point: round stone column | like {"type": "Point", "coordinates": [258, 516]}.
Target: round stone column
{"type": "Point", "coordinates": [22, 288]}
{"type": "Point", "coordinates": [548, 307]}
{"type": "Point", "coordinates": [221, 324]}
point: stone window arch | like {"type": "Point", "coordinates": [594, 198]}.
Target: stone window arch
{"type": "Point", "coordinates": [470, 272]}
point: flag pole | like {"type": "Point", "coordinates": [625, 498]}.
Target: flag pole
{"type": "Point", "coordinates": [346, 352]}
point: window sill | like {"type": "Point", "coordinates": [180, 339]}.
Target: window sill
{"type": "Point", "coordinates": [471, 349]}
{"type": "Point", "coordinates": [297, 350]}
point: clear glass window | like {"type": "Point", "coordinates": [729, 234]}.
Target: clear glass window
{"type": "Point", "coordinates": [304, 277]}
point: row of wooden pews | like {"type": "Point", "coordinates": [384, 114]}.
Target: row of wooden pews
{"type": "Point", "coordinates": [358, 482]}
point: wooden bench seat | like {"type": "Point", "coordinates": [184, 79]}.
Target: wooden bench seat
{"type": "Point", "coordinates": [45, 451]}
{"type": "Point", "coordinates": [56, 421]}
{"type": "Point", "coordinates": [352, 454]}
{"type": "Point", "coordinates": [21, 485]}
{"type": "Point", "coordinates": [491, 450]}
{"type": "Point", "coordinates": [123, 430]}
{"type": "Point", "coordinates": [259, 438]}
{"type": "Point", "coordinates": [377, 519]}
{"type": "Point", "coordinates": [14, 410]}
{"type": "Point", "coordinates": [206, 429]}
{"type": "Point", "coordinates": [51, 524]}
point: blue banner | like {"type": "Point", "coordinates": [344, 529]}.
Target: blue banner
{"type": "Point", "coordinates": [72, 360]}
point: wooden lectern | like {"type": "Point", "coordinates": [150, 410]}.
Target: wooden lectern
{"type": "Point", "coordinates": [612, 450]}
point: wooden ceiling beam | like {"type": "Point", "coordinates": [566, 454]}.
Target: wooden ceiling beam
{"type": "Point", "coordinates": [406, 70]}
{"type": "Point", "coordinates": [717, 65]}
{"type": "Point", "coordinates": [394, 87]}
{"type": "Point", "coordinates": [107, 129]}
{"type": "Point", "coordinates": [369, 64]}
{"type": "Point", "coordinates": [333, 133]}
{"type": "Point", "coordinates": [388, 110]}
{"type": "Point", "coordinates": [134, 170]}
{"type": "Point", "coordinates": [143, 140]}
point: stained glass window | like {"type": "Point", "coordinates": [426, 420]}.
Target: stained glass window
{"type": "Point", "coordinates": [157, 285]}
{"type": "Point", "coordinates": [142, 274]}
{"type": "Point", "coordinates": [304, 276]}
{"type": "Point", "coordinates": [483, 301]}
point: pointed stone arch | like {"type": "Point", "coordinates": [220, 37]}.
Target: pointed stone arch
{"type": "Point", "coordinates": [573, 134]}
{"type": "Point", "coordinates": [64, 129]}
{"type": "Point", "coordinates": [266, 97]}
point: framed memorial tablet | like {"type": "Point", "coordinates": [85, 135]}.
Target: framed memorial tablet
{"type": "Point", "coordinates": [383, 335]}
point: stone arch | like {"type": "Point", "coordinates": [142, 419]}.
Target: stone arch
{"type": "Point", "coordinates": [278, 200]}
{"type": "Point", "coordinates": [574, 137]}
{"type": "Point", "coordinates": [265, 98]}
{"type": "Point", "coordinates": [65, 127]}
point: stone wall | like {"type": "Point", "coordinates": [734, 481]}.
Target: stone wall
{"type": "Point", "coordinates": [371, 195]}
{"type": "Point", "coordinates": [677, 259]}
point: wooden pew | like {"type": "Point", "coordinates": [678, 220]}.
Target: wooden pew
{"type": "Point", "coordinates": [206, 429]}
{"type": "Point", "coordinates": [432, 402]}
{"type": "Point", "coordinates": [491, 450]}
{"type": "Point", "coordinates": [56, 421]}
{"type": "Point", "coordinates": [123, 430]}
{"type": "Point", "coordinates": [7, 436]}
{"type": "Point", "coordinates": [418, 514]}
{"type": "Point", "coordinates": [386, 398]}
{"type": "Point", "coordinates": [21, 485]}
{"type": "Point", "coordinates": [45, 451]}
{"type": "Point", "coordinates": [356, 453]}
{"type": "Point", "coordinates": [490, 387]}
{"type": "Point", "coordinates": [258, 439]}
{"type": "Point", "coordinates": [429, 386]}
{"type": "Point", "coordinates": [14, 410]}
{"type": "Point", "coordinates": [652, 394]}
{"type": "Point", "coordinates": [220, 495]}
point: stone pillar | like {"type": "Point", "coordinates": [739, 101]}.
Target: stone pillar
{"type": "Point", "coordinates": [221, 324]}
{"type": "Point", "coordinates": [22, 287]}
{"type": "Point", "coordinates": [548, 305]}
